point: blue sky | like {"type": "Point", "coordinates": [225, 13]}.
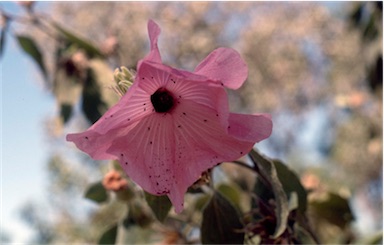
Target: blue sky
{"type": "Point", "coordinates": [24, 107]}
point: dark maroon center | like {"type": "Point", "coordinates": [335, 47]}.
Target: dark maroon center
{"type": "Point", "coordinates": [162, 100]}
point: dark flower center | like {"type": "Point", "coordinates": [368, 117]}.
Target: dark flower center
{"type": "Point", "coordinates": [162, 100]}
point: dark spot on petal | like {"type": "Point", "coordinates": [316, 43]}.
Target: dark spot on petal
{"type": "Point", "coordinates": [179, 126]}
{"type": "Point", "coordinates": [111, 115]}
{"type": "Point", "coordinates": [150, 142]}
{"type": "Point", "coordinates": [86, 137]}
{"type": "Point", "coordinates": [222, 84]}
{"type": "Point", "coordinates": [184, 114]}
{"type": "Point", "coordinates": [128, 119]}
{"type": "Point", "coordinates": [142, 78]}
{"type": "Point", "coordinates": [205, 120]}
{"type": "Point", "coordinates": [152, 77]}
{"type": "Point", "coordinates": [149, 128]}
{"type": "Point", "coordinates": [122, 154]}
{"type": "Point", "coordinates": [126, 163]}
{"type": "Point", "coordinates": [229, 127]}
{"type": "Point", "coordinates": [217, 115]}
{"type": "Point", "coordinates": [241, 152]}
{"type": "Point", "coordinates": [157, 183]}
{"type": "Point", "coordinates": [144, 103]}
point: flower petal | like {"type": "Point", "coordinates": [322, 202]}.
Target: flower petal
{"type": "Point", "coordinates": [201, 126]}
{"type": "Point", "coordinates": [184, 86]}
{"type": "Point", "coordinates": [201, 142]}
{"type": "Point", "coordinates": [93, 143]}
{"type": "Point", "coordinates": [116, 122]}
{"type": "Point", "coordinates": [152, 76]}
{"type": "Point", "coordinates": [225, 65]}
{"type": "Point", "coordinates": [147, 154]}
{"type": "Point", "coordinates": [252, 128]}
{"type": "Point", "coordinates": [153, 32]}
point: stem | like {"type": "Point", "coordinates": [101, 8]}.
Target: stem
{"type": "Point", "coordinates": [34, 20]}
{"type": "Point", "coordinates": [244, 165]}
{"type": "Point", "coordinates": [255, 169]}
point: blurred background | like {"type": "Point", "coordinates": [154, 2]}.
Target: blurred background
{"type": "Point", "coordinates": [315, 67]}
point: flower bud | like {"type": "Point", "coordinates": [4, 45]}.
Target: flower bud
{"type": "Point", "coordinates": [124, 78]}
{"type": "Point", "coordinates": [114, 182]}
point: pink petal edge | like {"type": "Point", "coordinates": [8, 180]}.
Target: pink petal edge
{"type": "Point", "coordinates": [252, 128]}
{"type": "Point", "coordinates": [154, 33]}
{"type": "Point", "coordinates": [224, 65]}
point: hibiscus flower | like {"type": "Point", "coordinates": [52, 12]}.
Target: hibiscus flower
{"type": "Point", "coordinates": [172, 124]}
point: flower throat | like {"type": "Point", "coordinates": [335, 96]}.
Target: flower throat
{"type": "Point", "coordinates": [162, 100]}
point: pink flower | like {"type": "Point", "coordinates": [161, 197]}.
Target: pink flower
{"type": "Point", "coordinates": [172, 124]}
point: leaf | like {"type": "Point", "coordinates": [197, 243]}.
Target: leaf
{"type": "Point", "coordinates": [67, 90]}
{"type": "Point", "coordinates": [109, 236]}
{"type": "Point", "coordinates": [29, 46]}
{"type": "Point", "coordinates": [2, 37]}
{"type": "Point", "coordinates": [268, 173]}
{"type": "Point", "coordinates": [160, 205]}
{"type": "Point", "coordinates": [201, 202]}
{"type": "Point", "coordinates": [333, 208]}
{"type": "Point", "coordinates": [220, 222]}
{"type": "Point", "coordinates": [230, 192]}
{"type": "Point", "coordinates": [88, 47]}
{"type": "Point", "coordinates": [65, 111]}
{"type": "Point", "coordinates": [356, 15]}
{"type": "Point", "coordinates": [370, 31]}
{"type": "Point", "coordinates": [93, 105]}
{"type": "Point", "coordinates": [97, 193]}
{"type": "Point", "coordinates": [291, 183]}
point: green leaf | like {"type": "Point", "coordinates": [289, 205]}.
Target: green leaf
{"type": "Point", "coordinates": [267, 171]}
{"type": "Point", "coordinates": [160, 205]}
{"type": "Point", "coordinates": [82, 43]}
{"type": "Point", "coordinates": [201, 202]}
{"type": "Point", "coordinates": [221, 223]}
{"type": "Point", "coordinates": [97, 193]}
{"type": "Point", "coordinates": [29, 46]}
{"type": "Point", "coordinates": [231, 192]}
{"type": "Point", "coordinates": [333, 208]}
{"type": "Point", "coordinates": [65, 111]}
{"type": "Point", "coordinates": [2, 37]}
{"type": "Point", "coordinates": [109, 236]}
{"type": "Point", "coordinates": [291, 183]}
{"type": "Point", "coordinates": [93, 105]}
{"type": "Point", "coordinates": [67, 90]}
